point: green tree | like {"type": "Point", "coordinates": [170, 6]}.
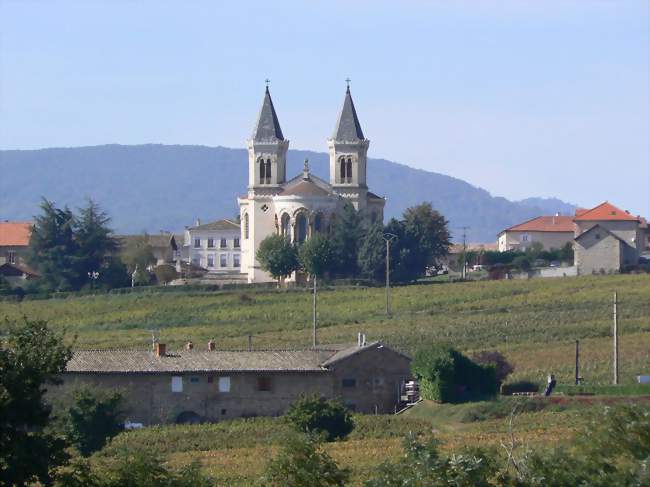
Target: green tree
{"type": "Point", "coordinates": [277, 256]}
{"type": "Point", "coordinates": [53, 249]}
{"type": "Point", "coordinates": [303, 462]}
{"type": "Point", "coordinates": [320, 416]}
{"type": "Point", "coordinates": [93, 419]}
{"type": "Point", "coordinates": [31, 357]}
{"type": "Point", "coordinates": [346, 234]}
{"type": "Point", "coordinates": [317, 256]}
{"type": "Point", "coordinates": [165, 273]}
{"type": "Point", "coordinates": [94, 239]}
{"type": "Point", "coordinates": [371, 259]}
{"type": "Point", "coordinates": [138, 256]}
{"type": "Point", "coordinates": [446, 375]}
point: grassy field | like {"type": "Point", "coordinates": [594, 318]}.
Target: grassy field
{"type": "Point", "coordinates": [535, 323]}
{"type": "Point", "coordinates": [236, 452]}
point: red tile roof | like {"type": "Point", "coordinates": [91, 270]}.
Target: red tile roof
{"type": "Point", "coordinates": [544, 224]}
{"type": "Point", "coordinates": [15, 234]}
{"type": "Point", "coordinates": [605, 211]}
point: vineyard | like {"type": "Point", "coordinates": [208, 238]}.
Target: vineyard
{"type": "Point", "coordinates": [534, 323]}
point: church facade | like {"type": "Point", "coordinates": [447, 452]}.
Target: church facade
{"type": "Point", "coordinates": [304, 205]}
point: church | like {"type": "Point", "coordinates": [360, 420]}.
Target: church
{"type": "Point", "coordinates": [304, 205]}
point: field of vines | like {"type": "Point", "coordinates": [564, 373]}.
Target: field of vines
{"type": "Point", "coordinates": [535, 322]}
{"type": "Point", "coordinates": [236, 452]}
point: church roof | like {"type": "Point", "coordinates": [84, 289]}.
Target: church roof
{"type": "Point", "coordinates": [304, 187]}
{"type": "Point", "coordinates": [348, 127]}
{"type": "Point", "coordinates": [267, 128]}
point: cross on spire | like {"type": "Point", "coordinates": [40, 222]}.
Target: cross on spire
{"type": "Point", "coordinates": [347, 82]}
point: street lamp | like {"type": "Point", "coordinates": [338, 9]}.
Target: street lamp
{"type": "Point", "coordinates": [93, 276]}
{"type": "Point", "coordinates": [388, 237]}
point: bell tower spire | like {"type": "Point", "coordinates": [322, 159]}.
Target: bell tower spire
{"type": "Point", "coordinates": [267, 148]}
{"type": "Point", "coordinates": [348, 150]}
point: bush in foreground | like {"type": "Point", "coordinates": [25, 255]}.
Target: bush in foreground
{"type": "Point", "coordinates": [303, 462]}
{"type": "Point", "coordinates": [320, 416]}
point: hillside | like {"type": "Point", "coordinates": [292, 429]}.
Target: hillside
{"type": "Point", "coordinates": [159, 187]}
{"type": "Point", "coordinates": [534, 323]}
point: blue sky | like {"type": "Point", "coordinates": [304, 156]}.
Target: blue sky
{"type": "Point", "coordinates": [520, 98]}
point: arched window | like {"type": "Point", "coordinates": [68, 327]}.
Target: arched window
{"type": "Point", "coordinates": [284, 225]}
{"type": "Point", "coordinates": [342, 172]}
{"type": "Point", "coordinates": [301, 228]}
{"type": "Point", "coordinates": [268, 171]}
{"type": "Point", "coordinates": [262, 171]}
{"type": "Point", "coordinates": [245, 225]}
{"type": "Point", "coordinates": [349, 170]}
{"type": "Point", "coordinates": [318, 223]}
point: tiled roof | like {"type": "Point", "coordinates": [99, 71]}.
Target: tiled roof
{"type": "Point", "coordinates": [158, 240]}
{"type": "Point", "coordinates": [304, 187]}
{"type": "Point", "coordinates": [217, 225]}
{"type": "Point", "coordinates": [350, 351]}
{"type": "Point", "coordinates": [8, 269]}
{"type": "Point", "coordinates": [373, 196]}
{"type": "Point", "coordinates": [15, 234]}
{"type": "Point", "coordinates": [605, 211]}
{"type": "Point", "coordinates": [544, 224]}
{"type": "Point", "coordinates": [141, 361]}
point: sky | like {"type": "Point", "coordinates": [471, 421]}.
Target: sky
{"type": "Point", "coordinates": [523, 99]}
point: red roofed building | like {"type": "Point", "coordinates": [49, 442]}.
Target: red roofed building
{"type": "Point", "coordinates": [14, 241]}
{"type": "Point", "coordinates": [553, 232]}
{"type": "Point", "coordinates": [607, 239]}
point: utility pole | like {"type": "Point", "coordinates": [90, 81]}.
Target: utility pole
{"type": "Point", "coordinates": [314, 313]}
{"type": "Point", "coordinates": [463, 273]}
{"type": "Point", "coordinates": [615, 338]}
{"type": "Point", "coordinates": [388, 237]}
{"type": "Point", "coordinates": [577, 362]}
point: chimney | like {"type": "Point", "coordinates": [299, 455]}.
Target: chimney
{"type": "Point", "coordinates": [189, 346]}
{"type": "Point", "coordinates": [160, 349]}
{"type": "Point", "coordinates": [211, 346]}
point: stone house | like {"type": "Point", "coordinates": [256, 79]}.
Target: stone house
{"type": "Point", "coordinates": [606, 239]}
{"type": "Point", "coordinates": [14, 242]}
{"type": "Point", "coordinates": [553, 232]}
{"type": "Point", "coordinates": [215, 246]}
{"type": "Point", "coordinates": [211, 385]}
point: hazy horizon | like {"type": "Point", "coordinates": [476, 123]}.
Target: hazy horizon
{"type": "Point", "coordinates": [521, 99]}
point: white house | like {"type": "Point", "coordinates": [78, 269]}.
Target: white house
{"type": "Point", "coordinates": [214, 246]}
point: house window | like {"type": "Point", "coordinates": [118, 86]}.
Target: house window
{"type": "Point", "coordinates": [224, 384]}
{"type": "Point", "coordinates": [597, 236]}
{"type": "Point", "coordinates": [235, 260]}
{"type": "Point", "coordinates": [210, 243]}
{"type": "Point", "coordinates": [245, 225]}
{"type": "Point", "coordinates": [223, 260]}
{"type": "Point", "coordinates": [349, 383]}
{"type": "Point", "coordinates": [263, 383]}
{"type": "Point", "coordinates": [196, 261]}
{"type": "Point", "coordinates": [177, 384]}
{"type": "Point", "coordinates": [524, 238]}
{"type": "Point", "coordinates": [210, 260]}
{"type": "Point", "coordinates": [224, 243]}
{"type": "Point", "coordinates": [235, 242]}
{"type": "Point", "coordinates": [194, 380]}
{"type": "Point", "coordinates": [197, 243]}
{"type": "Point", "coordinates": [11, 257]}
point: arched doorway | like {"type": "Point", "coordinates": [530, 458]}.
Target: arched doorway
{"type": "Point", "coordinates": [188, 417]}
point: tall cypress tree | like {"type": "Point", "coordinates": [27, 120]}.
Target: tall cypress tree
{"type": "Point", "coordinates": [94, 239]}
{"type": "Point", "coordinates": [346, 235]}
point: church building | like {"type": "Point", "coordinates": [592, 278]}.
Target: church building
{"type": "Point", "coordinates": [304, 205]}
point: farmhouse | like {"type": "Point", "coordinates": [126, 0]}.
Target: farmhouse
{"type": "Point", "coordinates": [14, 242]}
{"type": "Point", "coordinates": [552, 232]}
{"type": "Point", "coordinates": [210, 385]}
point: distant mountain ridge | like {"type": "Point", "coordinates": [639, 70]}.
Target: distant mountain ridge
{"type": "Point", "coordinates": [166, 187]}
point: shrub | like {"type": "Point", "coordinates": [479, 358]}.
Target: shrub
{"type": "Point", "coordinates": [303, 462]}
{"type": "Point", "coordinates": [165, 273]}
{"type": "Point", "coordinates": [501, 366]}
{"type": "Point", "coordinates": [93, 419]}
{"type": "Point", "coordinates": [446, 375]}
{"type": "Point", "coordinates": [320, 416]}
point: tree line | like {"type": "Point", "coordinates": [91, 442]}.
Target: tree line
{"type": "Point", "coordinates": [353, 247]}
